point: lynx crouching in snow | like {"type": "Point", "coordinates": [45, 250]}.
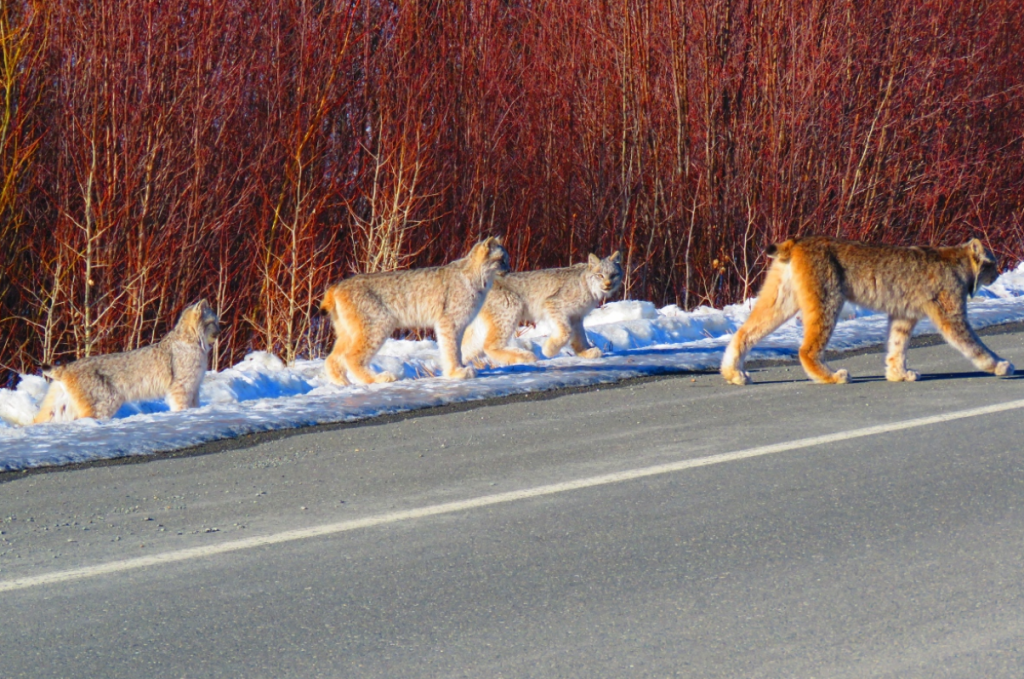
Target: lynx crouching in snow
{"type": "Point", "coordinates": [96, 386]}
{"type": "Point", "coordinates": [562, 297]}
{"type": "Point", "coordinates": [815, 275]}
{"type": "Point", "coordinates": [365, 309]}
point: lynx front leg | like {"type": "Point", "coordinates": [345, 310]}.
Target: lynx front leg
{"type": "Point", "coordinates": [951, 320]}
{"type": "Point", "coordinates": [560, 334]}
{"type": "Point", "coordinates": [579, 342]}
{"type": "Point", "coordinates": [900, 330]}
{"type": "Point", "coordinates": [180, 398]}
{"type": "Point", "coordinates": [449, 341]}
{"type": "Point", "coordinates": [365, 340]}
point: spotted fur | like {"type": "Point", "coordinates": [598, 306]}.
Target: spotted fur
{"type": "Point", "coordinates": [173, 368]}
{"type": "Point", "coordinates": [562, 297]}
{"type": "Point", "coordinates": [365, 309]}
{"type": "Point", "coordinates": [815, 275]}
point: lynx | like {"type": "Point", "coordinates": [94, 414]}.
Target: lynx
{"type": "Point", "coordinates": [814, 275]}
{"type": "Point", "coordinates": [173, 368]}
{"type": "Point", "coordinates": [365, 309]}
{"type": "Point", "coordinates": [562, 297]}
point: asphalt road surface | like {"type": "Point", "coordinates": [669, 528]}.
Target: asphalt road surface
{"type": "Point", "coordinates": [674, 527]}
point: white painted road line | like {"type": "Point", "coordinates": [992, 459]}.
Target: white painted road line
{"type": "Point", "coordinates": [488, 500]}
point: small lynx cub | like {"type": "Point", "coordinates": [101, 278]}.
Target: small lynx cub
{"type": "Point", "coordinates": [562, 297]}
{"type": "Point", "coordinates": [173, 368]}
{"type": "Point", "coordinates": [365, 309]}
{"type": "Point", "coordinates": [814, 275]}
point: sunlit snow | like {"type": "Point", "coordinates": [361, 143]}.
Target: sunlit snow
{"type": "Point", "coordinates": [261, 393]}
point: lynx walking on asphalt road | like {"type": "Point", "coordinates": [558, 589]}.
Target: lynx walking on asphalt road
{"type": "Point", "coordinates": [814, 275]}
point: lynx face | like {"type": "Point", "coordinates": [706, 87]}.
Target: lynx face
{"type": "Point", "coordinates": [207, 324]}
{"type": "Point", "coordinates": [496, 262]}
{"type": "Point", "coordinates": [604, 276]}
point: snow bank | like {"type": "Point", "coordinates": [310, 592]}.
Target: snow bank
{"type": "Point", "coordinates": [261, 393]}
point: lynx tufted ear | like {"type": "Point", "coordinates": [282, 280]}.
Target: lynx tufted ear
{"type": "Point", "coordinates": [593, 261]}
{"type": "Point", "coordinates": [479, 252]}
{"type": "Point", "coordinates": [980, 252]}
{"type": "Point", "coordinates": [616, 257]}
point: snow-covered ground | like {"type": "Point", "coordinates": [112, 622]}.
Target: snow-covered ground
{"type": "Point", "coordinates": [261, 393]}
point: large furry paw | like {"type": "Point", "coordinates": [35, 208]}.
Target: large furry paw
{"type": "Point", "coordinates": [592, 352]}
{"type": "Point", "coordinates": [902, 376]}
{"type": "Point", "coordinates": [550, 349]}
{"type": "Point", "coordinates": [465, 373]}
{"type": "Point", "coordinates": [336, 376]}
{"type": "Point", "coordinates": [524, 357]}
{"type": "Point", "coordinates": [840, 376]}
{"type": "Point", "coordinates": [738, 377]}
{"type": "Point", "coordinates": [512, 356]}
{"type": "Point", "coordinates": [384, 377]}
{"type": "Point", "coordinates": [1003, 368]}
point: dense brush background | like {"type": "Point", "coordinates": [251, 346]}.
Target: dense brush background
{"type": "Point", "coordinates": [153, 152]}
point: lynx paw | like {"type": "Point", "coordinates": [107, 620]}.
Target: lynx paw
{"type": "Point", "coordinates": [384, 377]}
{"type": "Point", "coordinates": [514, 356]}
{"type": "Point", "coordinates": [904, 376]}
{"type": "Point", "coordinates": [1003, 368]}
{"type": "Point", "coordinates": [465, 373]}
{"type": "Point", "coordinates": [550, 349]}
{"type": "Point", "coordinates": [738, 377]}
{"type": "Point", "coordinates": [335, 374]}
{"type": "Point", "coordinates": [592, 352]}
{"type": "Point", "coordinates": [841, 376]}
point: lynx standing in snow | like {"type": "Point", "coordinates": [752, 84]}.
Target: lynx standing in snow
{"type": "Point", "coordinates": [96, 386]}
{"type": "Point", "coordinates": [814, 275]}
{"type": "Point", "coordinates": [562, 297]}
{"type": "Point", "coordinates": [365, 309]}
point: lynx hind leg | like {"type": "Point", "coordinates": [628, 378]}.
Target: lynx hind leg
{"type": "Point", "coordinates": [775, 305]}
{"type": "Point", "coordinates": [900, 330]}
{"type": "Point", "coordinates": [88, 396]}
{"type": "Point", "coordinates": [579, 343]}
{"type": "Point", "coordinates": [359, 340]}
{"type": "Point", "coordinates": [361, 350]}
{"type": "Point", "coordinates": [818, 294]}
{"type": "Point", "coordinates": [950, 318]}
{"type": "Point", "coordinates": [56, 405]}
{"type": "Point", "coordinates": [449, 341]}
{"type": "Point", "coordinates": [496, 322]}
{"type": "Point", "coordinates": [334, 366]}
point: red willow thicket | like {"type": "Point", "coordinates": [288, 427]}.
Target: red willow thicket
{"type": "Point", "coordinates": [153, 152]}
